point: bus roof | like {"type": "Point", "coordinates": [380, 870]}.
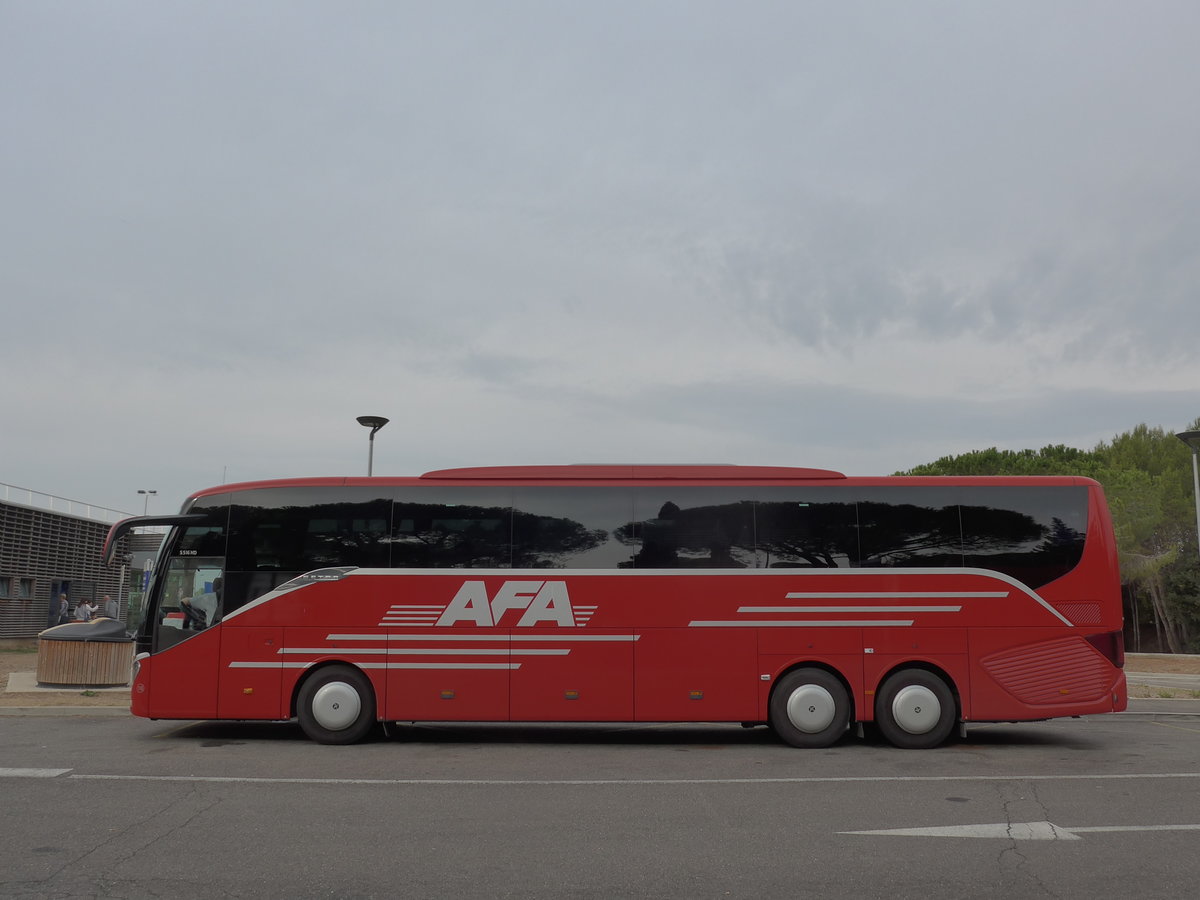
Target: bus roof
{"type": "Point", "coordinates": [557, 474]}
{"type": "Point", "coordinates": [635, 474]}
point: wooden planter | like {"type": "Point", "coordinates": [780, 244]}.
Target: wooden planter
{"type": "Point", "coordinates": [84, 663]}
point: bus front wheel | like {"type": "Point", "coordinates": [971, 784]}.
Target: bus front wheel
{"type": "Point", "coordinates": [336, 705]}
{"type": "Point", "coordinates": [915, 709]}
{"type": "Point", "coordinates": [810, 708]}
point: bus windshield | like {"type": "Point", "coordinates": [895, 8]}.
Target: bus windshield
{"type": "Point", "coordinates": [191, 594]}
{"type": "Point", "coordinates": [188, 583]}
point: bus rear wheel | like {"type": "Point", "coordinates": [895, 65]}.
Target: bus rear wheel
{"type": "Point", "coordinates": [810, 708]}
{"type": "Point", "coordinates": [915, 709]}
{"type": "Point", "coordinates": [336, 705]}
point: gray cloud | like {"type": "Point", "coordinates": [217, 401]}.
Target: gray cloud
{"type": "Point", "coordinates": [541, 232]}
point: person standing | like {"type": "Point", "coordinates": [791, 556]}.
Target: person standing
{"type": "Point", "coordinates": [84, 611]}
{"type": "Point", "coordinates": [58, 611]}
{"type": "Point", "coordinates": [110, 607]}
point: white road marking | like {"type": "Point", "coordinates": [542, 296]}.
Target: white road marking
{"type": "Point", "coordinates": [619, 782]}
{"type": "Point", "coordinates": [32, 773]}
{"type": "Point", "coordinates": [1019, 831]}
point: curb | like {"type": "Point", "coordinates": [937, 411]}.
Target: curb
{"type": "Point", "coordinates": [1154, 713]}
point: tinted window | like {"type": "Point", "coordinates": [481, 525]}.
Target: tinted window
{"type": "Point", "coordinates": [572, 527]}
{"type": "Point", "coordinates": [204, 540]}
{"type": "Point", "coordinates": [1034, 534]}
{"type": "Point", "coordinates": [691, 527]}
{"type": "Point", "coordinates": [452, 528]}
{"type": "Point", "coordinates": [805, 528]}
{"type": "Point", "coordinates": [909, 526]}
{"type": "Point", "coordinates": [296, 530]}
{"type": "Point", "coordinates": [204, 537]}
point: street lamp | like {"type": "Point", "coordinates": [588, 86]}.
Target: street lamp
{"type": "Point", "coordinates": [1192, 439]}
{"type": "Point", "coordinates": [374, 423]}
{"type": "Point", "coordinates": [146, 504]}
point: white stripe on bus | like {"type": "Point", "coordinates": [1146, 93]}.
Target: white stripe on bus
{"type": "Point", "coordinates": [815, 623]}
{"type": "Point", "coordinates": [893, 595]}
{"type": "Point", "coordinates": [454, 636]}
{"type": "Point", "coordinates": [305, 665]}
{"type": "Point", "coordinates": [847, 609]}
{"type": "Point", "coordinates": [421, 651]}
{"type": "Point", "coordinates": [896, 572]}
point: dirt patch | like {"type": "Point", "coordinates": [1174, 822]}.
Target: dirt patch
{"type": "Point", "coordinates": [1162, 663]}
{"type": "Point", "coordinates": [1152, 692]}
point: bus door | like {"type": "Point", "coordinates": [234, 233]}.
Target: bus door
{"type": "Point", "coordinates": [185, 648]}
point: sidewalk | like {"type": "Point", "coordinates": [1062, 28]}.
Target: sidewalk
{"type": "Point", "coordinates": [40, 700]}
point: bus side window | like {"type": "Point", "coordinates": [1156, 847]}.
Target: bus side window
{"type": "Point", "coordinates": [909, 527]}
{"type": "Point", "coordinates": [571, 527]}
{"type": "Point", "coordinates": [1034, 534]}
{"type": "Point", "coordinates": [452, 528]}
{"type": "Point", "coordinates": [281, 530]}
{"type": "Point", "coordinates": [693, 527]}
{"type": "Point", "coordinates": [805, 529]}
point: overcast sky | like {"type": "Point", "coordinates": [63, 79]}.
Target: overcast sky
{"type": "Point", "coordinates": [855, 236]}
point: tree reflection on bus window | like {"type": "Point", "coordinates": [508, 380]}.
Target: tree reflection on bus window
{"type": "Point", "coordinates": [1034, 534]}
{"type": "Point", "coordinates": [806, 530]}
{"type": "Point", "coordinates": [690, 527]}
{"type": "Point", "coordinates": [570, 527]}
{"type": "Point", "coordinates": [294, 531]}
{"type": "Point", "coordinates": [452, 528]}
{"type": "Point", "coordinates": [910, 527]}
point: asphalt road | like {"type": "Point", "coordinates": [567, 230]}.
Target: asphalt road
{"type": "Point", "coordinates": [120, 807]}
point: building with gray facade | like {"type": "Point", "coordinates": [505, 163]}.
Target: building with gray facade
{"type": "Point", "coordinates": [51, 546]}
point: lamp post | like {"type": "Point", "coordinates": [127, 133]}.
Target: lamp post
{"type": "Point", "coordinates": [374, 423]}
{"type": "Point", "coordinates": [1192, 439]}
{"type": "Point", "coordinates": [146, 503]}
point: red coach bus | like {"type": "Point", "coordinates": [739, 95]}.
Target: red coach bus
{"type": "Point", "coordinates": [798, 598]}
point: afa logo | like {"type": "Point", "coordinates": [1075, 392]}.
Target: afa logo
{"type": "Point", "coordinates": [538, 602]}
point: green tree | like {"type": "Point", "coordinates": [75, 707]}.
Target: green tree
{"type": "Point", "coordinates": [1147, 477]}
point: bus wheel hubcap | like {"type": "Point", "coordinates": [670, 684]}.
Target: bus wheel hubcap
{"type": "Point", "coordinates": [336, 705]}
{"type": "Point", "coordinates": [916, 709]}
{"type": "Point", "coordinates": [811, 708]}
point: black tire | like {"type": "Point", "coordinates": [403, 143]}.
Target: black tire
{"type": "Point", "coordinates": [915, 709]}
{"type": "Point", "coordinates": [336, 705]}
{"type": "Point", "coordinates": [810, 708]}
